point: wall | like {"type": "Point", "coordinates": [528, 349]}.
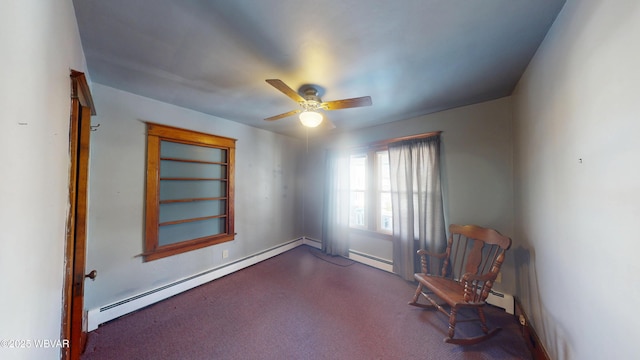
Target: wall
{"type": "Point", "coordinates": [266, 206]}
{"type": "Point", "coordinates": [34, 156]}
{"type": "Point", "coordinates": [577, 182]}
{"type": "Point", "coordinates": [477, 171]}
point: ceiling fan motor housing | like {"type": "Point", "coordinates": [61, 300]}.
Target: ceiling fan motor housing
{"type": "Point", "coordinates": [308, 97]}
{"type": "Point", "coordinates": [312, 100]}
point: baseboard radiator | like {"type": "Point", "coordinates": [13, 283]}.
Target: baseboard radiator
{"type": "Point", "coordinates": [117, 309]}
{"type": "Point", "coordinates": [495, 298]}
{"type": "Point", "coordinates": [371, 260]}
{"type": "Point", "coordinates": [502, 300]}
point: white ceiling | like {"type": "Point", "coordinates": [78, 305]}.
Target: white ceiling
{"type": "Point", "coordinates": [413, 57]}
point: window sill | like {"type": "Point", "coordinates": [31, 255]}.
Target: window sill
{"type": "Point", "coordinates": [373, 234]}
{"type": "Point", "coordinates": [183, 247]}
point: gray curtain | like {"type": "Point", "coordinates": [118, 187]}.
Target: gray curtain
{"type": "Point", "coordinates": [335, 222]}
{"type": "Point", "coordinates": [416, 196]}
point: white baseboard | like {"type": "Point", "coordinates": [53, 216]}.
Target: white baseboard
{"type": "Point", "coordinates": [112, 311]}
{"type": "Point", "coordinates": [371, 260]}
{"type": "Point", "coordinates": [501, 300]}
{"type": "Point", "coordinates": [312, 242]}
{"type": "Point", "coordinates": [360, 257]}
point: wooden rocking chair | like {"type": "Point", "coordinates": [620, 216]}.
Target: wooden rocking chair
{"type": "Point", "coordinates": [470, 266]}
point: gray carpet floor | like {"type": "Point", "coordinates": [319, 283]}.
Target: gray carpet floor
{"type": "Point", "coordinates": [299, 305]}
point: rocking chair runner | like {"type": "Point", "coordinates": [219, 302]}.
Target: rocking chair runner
{"type": "Point", "coordinates": [470, 266]}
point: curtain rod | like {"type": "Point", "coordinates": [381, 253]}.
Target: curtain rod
{"type": "Point", "coordinates": [383, 143]}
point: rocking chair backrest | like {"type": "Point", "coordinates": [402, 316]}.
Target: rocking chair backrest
{"type": "Point", "coordinates": [476, 250]}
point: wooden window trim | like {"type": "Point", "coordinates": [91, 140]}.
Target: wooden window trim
{"type": "Point", "coordinates": [384, 144]}
{"type": "Point", "coordinates": [155, 134]}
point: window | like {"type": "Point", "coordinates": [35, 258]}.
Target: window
{"type": "Point", "coordinates": [357, 190]}
{"type": "Point", "coordinates": [370, 192]}
{"type": "Point", "coordinates": [385, 216]}
{"type": "Point", "coordinates": [189, 195]}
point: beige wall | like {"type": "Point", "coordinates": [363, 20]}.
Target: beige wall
{"type": "Point", "coordinates": [40, 43]}
{"type": "Point", "coordinates": [574, 158]}
{"type": "Point", "coordinates": [266, 203]}
{"type": "Point", "coordinates": [577, 182]}
{"type": "Point", "coordinates": [477, 170]}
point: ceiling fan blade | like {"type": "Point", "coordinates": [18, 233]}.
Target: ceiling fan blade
{"type": "Point", "coordinates": [347, 103]}
{"type": "Point", "coordinates": [285, 89]}
{"type": "Point", "coordinates": [329, 124]}
{"type": "Point", "coordinates": [277, 117]}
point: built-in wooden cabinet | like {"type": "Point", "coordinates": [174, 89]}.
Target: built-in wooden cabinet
{"type": "Point", "coordinates": [190, 187]}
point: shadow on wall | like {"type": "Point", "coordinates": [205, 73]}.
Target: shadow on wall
{"type": "Point", "coordinates": [551, 334]}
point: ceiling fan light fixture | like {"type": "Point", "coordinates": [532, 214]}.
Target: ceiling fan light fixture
{"type": "Point", "coordinates": [310, 118]}
{"type": "Point", "coordinates": [309, 101]}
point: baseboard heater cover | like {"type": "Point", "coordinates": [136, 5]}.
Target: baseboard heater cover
{"type": "Point", "coordinates": [501, 300]}
{"type": "Point", "coordinates": [371, 260]}
{"type": "Point", "coordinates": [495, 298]}
{"type": "Point", "coordinates": [312, 242]}
{"type": "Point", "coordinates": [117, 309]}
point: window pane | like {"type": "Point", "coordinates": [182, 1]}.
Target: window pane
{"type": "Point", "coordinates": [191, 152]}
{"type": "Point", "coordinates": [386, 216]}
{"type": "Point", "coordinates": [358, 173]}
{"type": "Point", "coordinates": [384, 213]}
{"type": "Point", "coordinates": [171, 234]}
{"type": "Point", "coordinates": [177, 189]}
{"type": "Point", "coordinates": [190, 210]}
{"type": "Point", "coordinates": [170, 168]}
{"type": "Point", "coordinates": [356, 209]}
{"type": "Point", "coordinates": [383, 171]}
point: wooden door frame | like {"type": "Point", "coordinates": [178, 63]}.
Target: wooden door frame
{"type": "Point", "coordinates": [79, 129]}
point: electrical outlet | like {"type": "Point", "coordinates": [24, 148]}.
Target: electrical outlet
{"type": "Point", "coordinates": [523, 320]}
{"type": "Point", "coordinates": [225, 254]}
{"type": "Point", "coordinates": [499, 277]}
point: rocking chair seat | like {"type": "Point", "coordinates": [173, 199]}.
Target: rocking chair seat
{"type": "Point", "coordinates": [470, 266]}
{"type": "Point", "coordinates": [450, 291]}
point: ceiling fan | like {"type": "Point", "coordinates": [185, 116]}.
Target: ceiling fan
{"type": "Point", "coordinates": [310, 103]}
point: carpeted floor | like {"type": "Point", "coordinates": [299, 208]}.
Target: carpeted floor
{"type": "Point", "coordinates": [298, 305]}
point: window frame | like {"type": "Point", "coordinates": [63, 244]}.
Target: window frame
{"type": "Point", "coordinates": [378, 191]}
{"type": "Point", "coordinates": [364, 191]}
{"type": "Point", "coordinates": [371, 192]}
{"type": "Point", "coordinates": [155, 135]}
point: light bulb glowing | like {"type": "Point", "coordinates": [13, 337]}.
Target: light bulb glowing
{"type": "Point", "coordinates": [310, 118]}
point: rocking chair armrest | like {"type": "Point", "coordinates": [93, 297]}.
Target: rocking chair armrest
{"type": "Point", "coordinates": [424, 254]}
{"type": "Point", "coordinates": [468, 277]}
{"type": "Point", "coordinates": [477, 287]}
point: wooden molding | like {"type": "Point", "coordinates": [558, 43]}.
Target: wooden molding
{"type": "Point", "coordinates": [80, 90]}
{"type": "Point", "coordinates": [383, 144]}
{"type": "Point", "coordinates": [79, 135]}
{"type": "Point", "coordinates": [534, 344]}
{"type": "Point", "coordinates": [157, 133]}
